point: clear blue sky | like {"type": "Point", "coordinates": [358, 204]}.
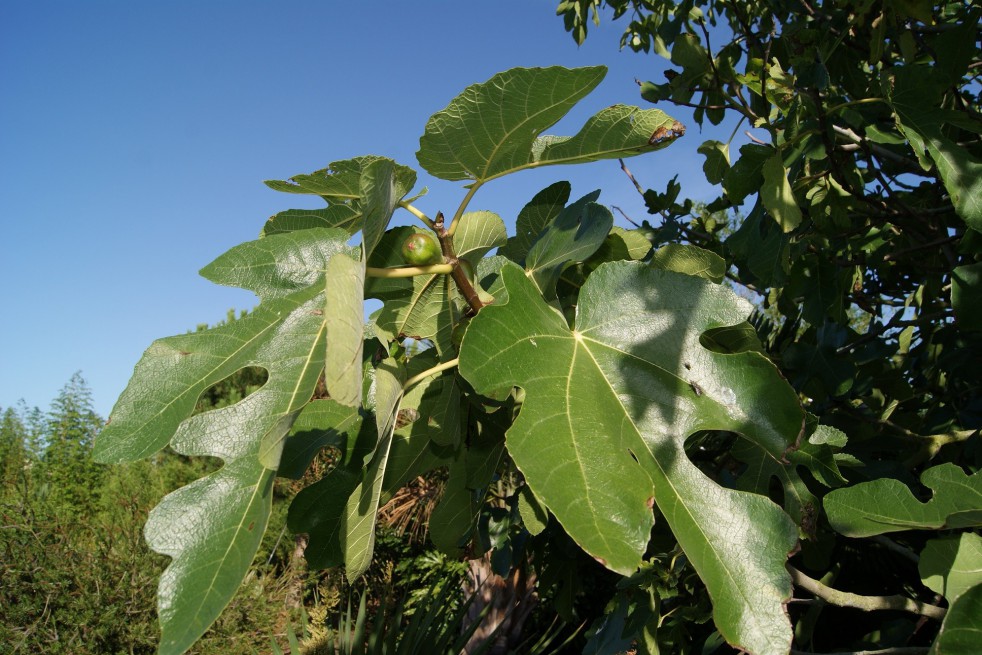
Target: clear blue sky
{"type": "Point", "coordinates": [134, 138]}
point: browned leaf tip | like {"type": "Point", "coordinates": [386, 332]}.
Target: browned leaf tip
{"type": "Point", "coordinates": [663, 133]}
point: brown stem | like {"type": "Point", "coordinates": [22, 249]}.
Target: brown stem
{"type": "Point", "coordinates": [459, 276]}
{"type": "Point", "coordinates": [631, 177]}
{"type": "Point", "coordinates": [626, 217]}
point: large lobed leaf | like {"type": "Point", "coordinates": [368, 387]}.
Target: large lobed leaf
{"type": "Point", "coordinates": [888, 505]}
{"type": "Point", "coordinates": [494, 128]}
{"type": "Point", "coordinates": [608, 406]}
{"type": "Point", "coordinates": [213, 527]}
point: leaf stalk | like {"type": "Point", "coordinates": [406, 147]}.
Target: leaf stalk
{"type": "Point", "coordinates": [409, 271]}
{"type": "Point", "coordinates": [419, 377]}
{"type": "Point", "coordinates": [460, 210]}
{"type": "Point", "coordinates": [417, 213]}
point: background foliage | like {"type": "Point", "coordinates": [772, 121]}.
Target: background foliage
{"type": "Point", "coordinates": [79, 578]}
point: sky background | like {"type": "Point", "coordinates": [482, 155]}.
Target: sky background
{"type": "Point", "coordinates": [135, 136]}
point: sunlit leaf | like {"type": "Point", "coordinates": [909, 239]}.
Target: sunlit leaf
{"type": "Point", "coordinates": [362, 507]}
{"type": "Point", "coordinates": [344, 317]}
{"type": "Point", "coordinates": [961, 630]}
{"type": "Point", "coordinates": [489, 129]}
{"type": "Point", "coordinates": [351, 188]}
{"type": "Point", "coordinates": [576, 233]}
{"type": "Point", "coordinates": [691, 260]}
{"type": "Point", "coordinates": [607, 409]}
{"type": "Point", "coordinates": [477, 233]}
{"type": "Point", "coordinates": [494, 128]}
{"type": "Point", "coordinates": [952, 565]}
{"type": "Point", "coordinates": [620, 244]}
{"type": "Point", "coordinates": [345, 217]}
{"type": "Point", "coordinates": [888, 505]}
{"type": "Point", "coordinates": [776, 194]}
{"type": "Point", "coordinates": [212, 527]}
{"type": "Point", "coordinates": [534, 515]}
{"type": "Point", "coordinates": [340, 181]}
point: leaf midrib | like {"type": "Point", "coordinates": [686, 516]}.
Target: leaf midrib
{"type": "Point", "coordinates": [734, 584]}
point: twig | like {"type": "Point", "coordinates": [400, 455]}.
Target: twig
{"type": "Point", "coordinates": [709, 50]}
{"type": "Point", "coordinates": [907, 164]}
{"type": "Point", "coordinates": [417, 213]}
{"type": "Point", "coordinates": [922, 246]}
{"type": "Point", "coordinates": [626, 217]}
{"type": "Point", "coordinates": [755, 139]}
{"type": "Point", "coordinates": [865, 603]}
{"type": "Point", "coordinates": [631, 177]}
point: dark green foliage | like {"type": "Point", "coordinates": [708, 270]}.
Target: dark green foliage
{"type": "Point", "coordinates": [859, 242]}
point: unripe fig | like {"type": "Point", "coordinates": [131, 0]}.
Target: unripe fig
{"type": "Point", "coordinates": [420, 249]}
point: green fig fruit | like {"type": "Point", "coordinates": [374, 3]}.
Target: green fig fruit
{"type": "Point", "coordinates": [420, 249]}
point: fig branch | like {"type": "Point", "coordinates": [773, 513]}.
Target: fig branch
{"type": "Point", "coordinates": [866, 603]}
{"type": "Point", "coordinates": [450, 257]}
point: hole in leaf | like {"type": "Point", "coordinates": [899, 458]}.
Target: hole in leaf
{"type": "Point", "coordinates": [775, 491]}
{"type": "Point", "coordinates": [325, 461]}
{"type": "Point", "coordinates": [709, 450]}
{"type": "Point", "coordinates": [232, 389]}
{"type": "Point", "coordinates": [410, 508]}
